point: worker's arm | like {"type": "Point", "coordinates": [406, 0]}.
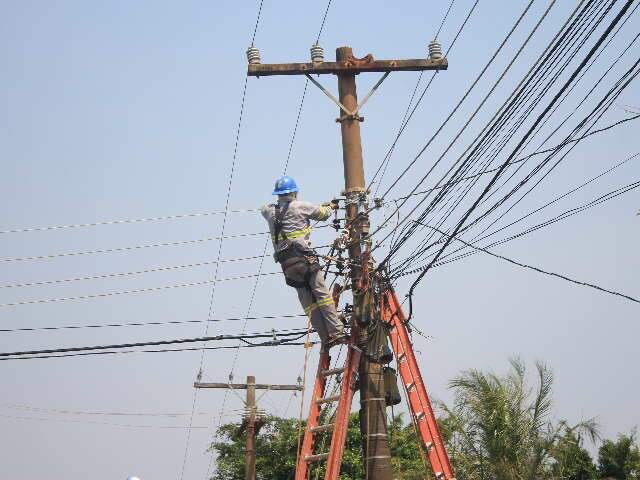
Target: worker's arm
{"type": "Point", "coordinates": [316, 212]}
{"type": "Point", "coordinates": [266, 211]}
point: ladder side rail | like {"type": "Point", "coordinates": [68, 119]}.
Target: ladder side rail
{"type": "Point", "coordinates": [341, 421]}
{"type": "Point", "coordinates": [417, 395]}
{"type": "Point", "coordinates": [308, 443]}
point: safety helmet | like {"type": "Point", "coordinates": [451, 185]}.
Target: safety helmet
{"type": "Point", "coordinates": [284, 185]}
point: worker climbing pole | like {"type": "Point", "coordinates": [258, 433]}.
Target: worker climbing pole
{"type": "Point", "coordinates": [375, 314]}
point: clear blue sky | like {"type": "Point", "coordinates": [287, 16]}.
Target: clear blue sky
{"type": "Point", "coordinates": [115, 110]}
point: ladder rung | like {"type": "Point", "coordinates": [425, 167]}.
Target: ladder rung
{"type": "Point", "coordinates": [333, 371]}
{"type": "Point", "coordinates": [316, 458]}
{"type": "Point", "coordinates": [322, 428]}
{"type": "Point", "coordinates": [335, 398]}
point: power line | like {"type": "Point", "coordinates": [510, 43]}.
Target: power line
{"type": "Point", "coordinates": [145, 324]}
{"type": "Point", "coordinates": [555, 200]}
{"type": "Point", "coordinates": [164, 350]}
{"type": "Point", "coordinates": [472, 86]}
{"type": "Point", "coordinates": [272, 335]}
{"type": "Point", "coordinates": [131, 247]}
{"type": "Point", "coordinates": [570, 32]}
{"type": "Point", "coordinates": [91, 422]}
{"type": "Point", "coordinates": [129, 292]}
{"type": "Point", "coordinates": [125, 274]}
{"type": "Point", "coordinates": [537, 269]}
{"type": "Point", "coordinates": [124, 221]}
{"type": "Point", "coordinates": [523, 159]}
{"type": "Point", "coordinates": [68, 411]}
{"type": "Point", "coordinates": [595, 47]}
{"type": "Point", "coordinates": [501, 109]}
{"type": "Point", "coordinates": [384, 164]}
{"type": "Point", "coordinates": [562, 216]}
{"type": "Point", "coordinates": [224, 224]}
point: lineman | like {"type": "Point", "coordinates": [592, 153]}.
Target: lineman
{"type": "Point", "coordinates": [289, 224]}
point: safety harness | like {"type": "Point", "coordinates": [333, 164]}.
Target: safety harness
{"type": "Point", "coordinates": [297, 265]}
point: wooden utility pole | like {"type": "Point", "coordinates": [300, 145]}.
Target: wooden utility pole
{"type": "Point", "coordinates": [250, 417]}
{"type": "Point", "coordinates": [373, 425]}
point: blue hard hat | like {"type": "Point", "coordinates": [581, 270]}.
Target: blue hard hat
{"type": "Point", "coordinates": [284, 185]}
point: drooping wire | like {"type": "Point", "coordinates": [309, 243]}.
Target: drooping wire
{"type": "Point", "coordinates": [133, 291]}
{"type": "Point", "coordinates": [224, 223]}
{"type": "Point", "coordinates": [148, 323]}
{"type": "Point", "coordinates": [384, 164]}
{"type": "Point", "coordinates": [125, 221]}
{"type": "Point", "coordinates": [270, 334]}
{"type": "Point", "coordinates": [496, 115]}
{"type": "Point", "coordinates": [509, 107]}
{"type": "Point", "coordinates": [538, 269]}
{"type": "Point", "coordinates": [569, 81]}
{"type": "Point", "coordinates": [285, 167]}
{"type": "Point", "coordinates": [163, 350]}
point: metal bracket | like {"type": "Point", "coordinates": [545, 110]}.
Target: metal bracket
{"type": "Point", "coordinates": [349, 115]}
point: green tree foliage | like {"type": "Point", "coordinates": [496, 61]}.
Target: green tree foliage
{"type": "Point", "coordinates": [572, 461]}
{"type": "Point", "coordinates": [619, 459]}
{"type": "Point", "coordinates": [276, 451]}
{"type": "Point", "coordinates": [499, 427]}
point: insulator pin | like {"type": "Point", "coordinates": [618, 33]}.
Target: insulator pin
{"type": "Point", "coordinates": [253, 55]}
{"type": "Point", "coordinates": [435, 50]}
{"type": "Point", "coordinates": [317, 54]}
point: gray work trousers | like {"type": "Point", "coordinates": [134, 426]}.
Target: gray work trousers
{"type": "Point", "coordinates": [319, 307]}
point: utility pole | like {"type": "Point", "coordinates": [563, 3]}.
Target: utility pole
{"type": "Point", "coordinates": [377, 460]}
{"type": "Point", "coordinates": [251, 415]}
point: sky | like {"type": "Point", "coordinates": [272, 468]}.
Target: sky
{"type": "Point", "coordinates": [127, 110]}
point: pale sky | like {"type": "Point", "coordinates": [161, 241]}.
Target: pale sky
{"type": "Point", "coordinates": [125, 110]}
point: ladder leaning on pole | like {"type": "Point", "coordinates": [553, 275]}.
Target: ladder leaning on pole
{"type": "Point", "coordinates": [416, 392]}
{"type": "Point", "coordinates": [341, 421]}
{"type": "Point", "coordinates": [419, 404]}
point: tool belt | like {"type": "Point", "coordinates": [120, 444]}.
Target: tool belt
{"type": "Point", "coordinates": [297, 266]}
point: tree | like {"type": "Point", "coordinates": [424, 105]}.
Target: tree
{"type": "Point", "coordinates": [619, 459]}
{"type": "Point", "coordinates": [572, 461]}
{"type": "Point", "coordinates": [499, 427]}
{"type": "Point", "coordinates": [277, 442]}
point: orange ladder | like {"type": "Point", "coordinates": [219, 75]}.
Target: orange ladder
{"type": "Point", "coordinates": [341, 421]}
{"type": "Point", "coordinates": [419, 403]}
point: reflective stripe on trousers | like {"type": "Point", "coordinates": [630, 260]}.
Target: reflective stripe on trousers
{"type": "Point", "coordinates": [318, 305]}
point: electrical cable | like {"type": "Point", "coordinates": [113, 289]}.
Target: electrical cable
{"type": "Point", "coordinates": [470, 89]}
{"type": "Point", "coordinates": [408, 116]}
{"type": "Point", "coordinates": [255, 285]}
{"type": "Point", "coordinates": [499, 117]}
{"type": "Point", "coordinates": [131, 247]}
{"type": "Point", "coordinates": [220, 244]}
{"type": "Point", "coordinates": [124, 221]}
{"type": "Point", "coordinates": [562, 216]}
{"type": "Point", "coordinates": [553, 201]}
{"type": "Point", "coordinates": [595, 47]}
{"type": "Point", "coordinates": [165, 350]}
{"type": "Point", "coordinates": [125, 274]}
{"type": "Point", "coordinates": [144, 324]}
{"type": "Point", "coordinates": [133, 291]}
{"type": "Point", "coordinates": [155, 343]}
{"type": "Point", "coordinates": [539, 270]}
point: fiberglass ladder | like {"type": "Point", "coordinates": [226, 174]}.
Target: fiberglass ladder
{"type": "Point", "coordinates": [416, 394]}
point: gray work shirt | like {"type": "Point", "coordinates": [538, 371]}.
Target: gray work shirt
{"type": "Point", "coordinates": [296, 221]}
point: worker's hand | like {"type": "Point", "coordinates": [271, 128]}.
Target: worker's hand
{"type": "Point", "coordinates": [334, 204]}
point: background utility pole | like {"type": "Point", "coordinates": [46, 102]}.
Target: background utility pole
{"type": "Point", "coordinates": [250, 418]}
{"type": "Point", "coordinates": [373, 424]}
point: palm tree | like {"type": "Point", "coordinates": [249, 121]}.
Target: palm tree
{"type": "Point", "coordinates": [499, 427]}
